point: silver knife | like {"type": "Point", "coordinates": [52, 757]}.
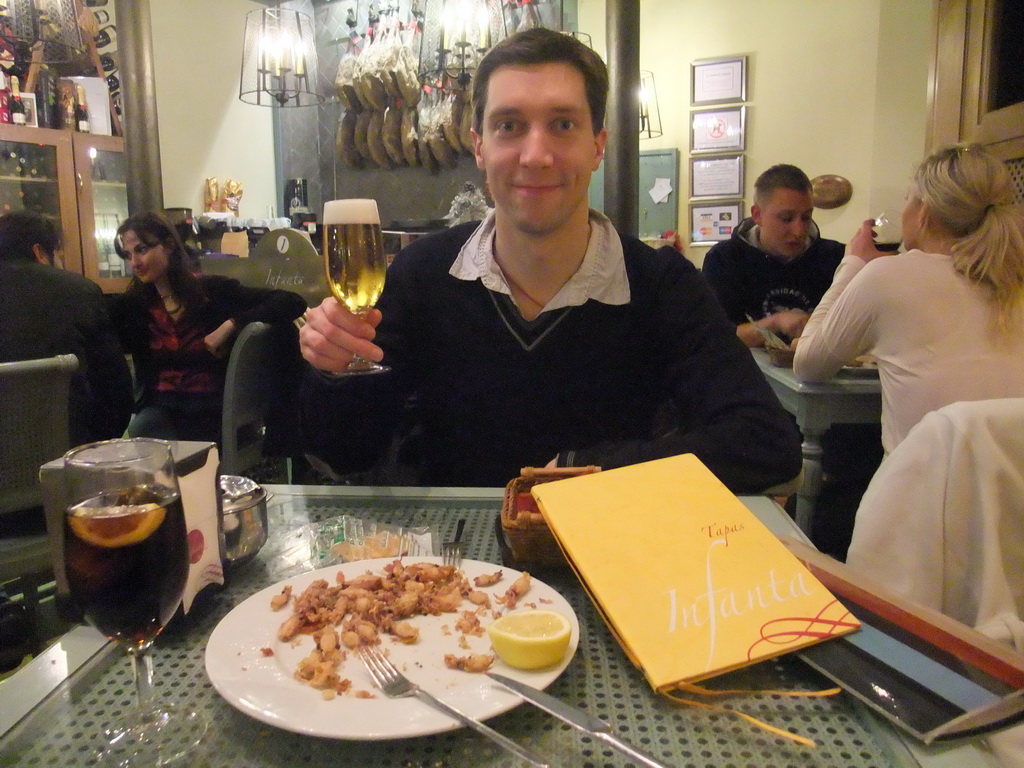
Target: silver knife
{"type": "Point", "coordinates": [586, 722]}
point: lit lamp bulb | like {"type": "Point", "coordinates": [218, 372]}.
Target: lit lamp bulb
{"type": "Point", "coordinates": [644, 98]}
{"type": "Point", "coordinates": [465, 18]}
{"type": "Point", "coordinates": [448, 25]}
{"type": "Point", "coordinates": [485, 28]}
{"type": "Point", "coordinates": [285, 47]}
{"type": "Point", "coordinates": [261, 54]}
{"type": "Point", "coordinates": [271, 53]}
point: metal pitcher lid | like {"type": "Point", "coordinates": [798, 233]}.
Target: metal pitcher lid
{"type": "Point", "coordinates": [240, 492]}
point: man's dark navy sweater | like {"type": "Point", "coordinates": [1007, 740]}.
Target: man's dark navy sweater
{"type": "Point", "coordinates": [591, 383]}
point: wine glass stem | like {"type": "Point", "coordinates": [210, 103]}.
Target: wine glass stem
{"type": "Point", "coordinates": [142, 672]}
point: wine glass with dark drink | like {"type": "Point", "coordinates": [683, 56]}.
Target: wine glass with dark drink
{"type": "Point", "coordinates": [355, 262]}
{"type": "Point", "coordinates": [888, 233]}
{"type": "Point", "coordinates": [126, 558]}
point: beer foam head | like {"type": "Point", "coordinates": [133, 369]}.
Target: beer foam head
{"type": "Point", "coordinates": [353, 211]}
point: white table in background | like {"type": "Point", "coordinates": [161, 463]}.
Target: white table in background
{"type": "Point", "coordinates": [840, 400]}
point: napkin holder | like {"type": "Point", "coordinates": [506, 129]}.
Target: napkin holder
{"type": "Point", "coordinates": [523, 535]}
{"type": "Point", "coordinates": [196, 465]}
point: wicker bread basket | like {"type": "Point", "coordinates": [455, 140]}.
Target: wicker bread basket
{"type": "Point", "coordinates": [524, 535]}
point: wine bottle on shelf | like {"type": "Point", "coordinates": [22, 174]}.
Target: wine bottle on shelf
{"type": "Point", "coordinates": [46, 99]}
{"type": "Point", "coordinates": [15, 105]}
{"type": "Point", "coordinates": [5, 100]}
{"type": "Point", "coordinates": [81, 112]}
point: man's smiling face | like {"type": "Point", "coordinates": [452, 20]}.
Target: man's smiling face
{"type": "Point", "coordinates": [537, 146]}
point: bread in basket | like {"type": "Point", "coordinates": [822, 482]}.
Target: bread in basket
{"type": "Point", "coordinates": [524, 536]}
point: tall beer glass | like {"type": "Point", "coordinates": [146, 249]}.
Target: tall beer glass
{"type": "Point", "coordinates": [126, 557]}
{"type": "Point", "coordinates": [355, 262]}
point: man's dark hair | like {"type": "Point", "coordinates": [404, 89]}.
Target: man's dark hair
{"type": "Point", "coordinates": [20, 230]}
{"type": "Point", "coordinates": [780, 176]}
{"type": "Point", "coordinates": [544, 46]}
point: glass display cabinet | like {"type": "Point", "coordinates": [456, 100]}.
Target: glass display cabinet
{"type": "Point", "coordinates": [37, 175]}
{"type": "Point", "coordinates": [102, 206]}
{"type": "Point", "coordinates": [77, 180]}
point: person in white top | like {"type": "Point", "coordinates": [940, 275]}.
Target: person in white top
{"type": "Point", "coordinates": [945, 318]}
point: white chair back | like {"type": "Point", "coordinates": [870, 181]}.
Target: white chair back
{"type": "Point", "coordinates": [943, 518]}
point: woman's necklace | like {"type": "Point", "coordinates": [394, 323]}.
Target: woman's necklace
{"type": "Point", "coordinates": [168, 299]}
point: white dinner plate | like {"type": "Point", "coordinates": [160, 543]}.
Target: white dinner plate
{"type": "Point", "coordinates": [263, 686]}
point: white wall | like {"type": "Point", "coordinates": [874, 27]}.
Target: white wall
{"type": "Point", "coordinates": [204, 129]}
{"type": "Point", "coordinates": [834, 86]}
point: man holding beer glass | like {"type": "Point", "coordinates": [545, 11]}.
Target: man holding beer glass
{"type": "Point", "coordinates": [540, 335]}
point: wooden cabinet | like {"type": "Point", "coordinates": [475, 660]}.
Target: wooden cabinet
{"type": "Point", "coordinates": [37, 174]}
{"type": "Point", "coordinates": [101, 175]}
{"type": "Point", "coordinates": [976, 85]}
{"type": "Point", "coordinates": [77, 180]}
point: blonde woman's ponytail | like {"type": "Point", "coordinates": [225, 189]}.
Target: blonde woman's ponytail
{"type": "Point", "coordinates": [970, 193]}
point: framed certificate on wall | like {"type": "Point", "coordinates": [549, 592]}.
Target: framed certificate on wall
{"type": "Point", "coordinates": [718, 130]}
{"type": "Point", "coordinates": [716, 177]}
{"type": "Point", "coordinates": [718, 81]}
{"type": "Point", "coordinates": [712, 223]}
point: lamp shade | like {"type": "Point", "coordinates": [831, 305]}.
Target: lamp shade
{"type": "Point", "coordinates": [279, 66]}
{"type": "Point", "coordinates": [650, 116]}
{"type": "Point", "coordinates": [52, 23]}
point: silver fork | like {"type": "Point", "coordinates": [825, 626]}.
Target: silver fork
{"type": "Point", "coordinates": [451, 551]}
{"type": "Point", "coordinates": [396, 685]}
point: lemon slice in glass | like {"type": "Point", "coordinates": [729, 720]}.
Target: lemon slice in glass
{"type": "Point", "coordinates": [530, 639]}
{"type": "Point", "coordinates": [118, 530]}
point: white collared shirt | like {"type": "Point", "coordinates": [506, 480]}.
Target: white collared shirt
{"type": "Point", "coordinates": [601, 276]}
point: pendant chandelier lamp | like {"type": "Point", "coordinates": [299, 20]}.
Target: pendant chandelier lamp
{"type": "Point", "coordinates": [650, 117]}
{"type": "Point", "coordinates": [46, 31]}
{"type": "Point", "coordinates": [456, 35]}
{"type": "Point", "coordinates": [279, 65]}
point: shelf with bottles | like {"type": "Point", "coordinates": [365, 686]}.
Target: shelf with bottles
{"type": "Point", "coordinates": [24, 162]}
{"type": "Point", "coordinates": [22, 179]}
{"type": "Point", "coordinates": [37, 199]}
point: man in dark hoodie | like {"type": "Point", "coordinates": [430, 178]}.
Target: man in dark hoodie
{"type": "Point", "coordinates": [776, 267]}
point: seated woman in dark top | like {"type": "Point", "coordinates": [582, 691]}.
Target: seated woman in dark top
{"type": "Point", "coordinates": [178, 327]}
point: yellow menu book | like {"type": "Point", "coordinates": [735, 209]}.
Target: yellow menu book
{"type": "Point", "coordinates": [691, 583]}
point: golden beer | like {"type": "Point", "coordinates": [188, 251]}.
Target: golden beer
{"type": "Point", "coordinates": [355, 263]}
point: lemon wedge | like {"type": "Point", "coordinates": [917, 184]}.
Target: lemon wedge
{"type": "Point", "coordinates": [110, 531]}
{"type": "Point", "coordinates": [530, 639]}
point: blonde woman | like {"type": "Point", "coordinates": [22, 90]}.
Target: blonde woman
{"type": "Point", "coordinates": [945, 319]}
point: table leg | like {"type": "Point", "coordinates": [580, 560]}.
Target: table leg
{"type": "Point", "coordinates": [811, 487]}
